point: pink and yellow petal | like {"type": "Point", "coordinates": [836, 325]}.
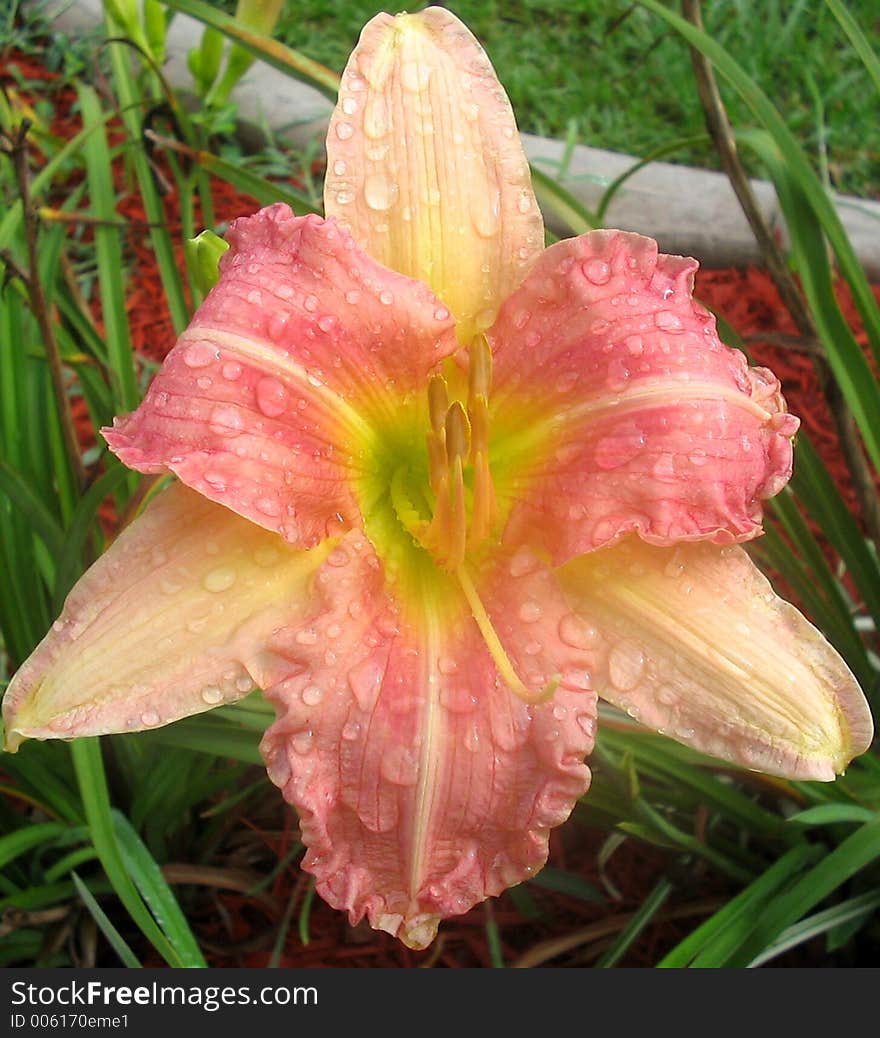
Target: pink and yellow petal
{"type": "Point", "coordinates": [692, 641]}
{"type": "Point", "coordinates": [426, 167]}
{"type": "Point", "coordinates": [642, 420]}
{"type": "Point", "coordinates": [268, 401]}
{"type": "Point", "coordinates": [172, 620]}
{"type": "Point", "coordinates": [423, 785]}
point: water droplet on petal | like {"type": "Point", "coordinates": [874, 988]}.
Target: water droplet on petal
{"type": "Point", "coordinates": [225, 421]}
{"type": "Point", "coordinates": [351, 731]}
{"type": "Point", "coordinates": [577, 633]}
{"type": "Point", "coordinates": [220, 579]}
{"type": "Point", "coordinates": [312, 695]}
{"type": "Point", "coordinates": [231, 371]}
{"type": "Point", "coordinates": [441, 314]}
{"type": "Point", "coordinates": [200, 354]}
{"type": "Point", "coordinates": [386, 297]}
{"type": "Point", "coordinates": [344, 131]}
{"type": "Point", "coordinates": [697, 457]}
{"type": "Point", "coordinates": [302, 742]}
{"type": "Point", "coordinates": [266, 555]}
{"type": "Point", "coordinates": [523, 562]}
{"type": "Point", "coordinates": [150, 718]}
{"type": "Point", "coordinates": [587, 724]}
{"type": "Point", "coordinates": [626, 662]}
{"type": "Point", "coordinates": [667, 695]}
{"type": "Point", "coordinates": [447, 665]}
{"type": "Point", "coordinates": [244, 683]}
{"type": "Point", "coordinates": [529, 612]}
{"type": "Point", "coordinates": [400, 765]}
{"type": "Point", "coordinates": [380, 192]}
{"type": "Point", "coordinates": [349, 105]}
{"type": "Point", "coordinates": [364, 680]}
{"type": "Point", "coordinates": [212, 695]}
{"type": "Point", "coordinates": [272, 397]}
{"type": "Point", "coordinates": [597, 271]}
{"type": "Point", "coordinates": [668, 320]}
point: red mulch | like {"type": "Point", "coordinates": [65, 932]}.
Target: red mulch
{"type": "Point", "coordinates": [241, 928]}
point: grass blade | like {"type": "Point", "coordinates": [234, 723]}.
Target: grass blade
{"type": "Point", "coordinates": [114, 937]}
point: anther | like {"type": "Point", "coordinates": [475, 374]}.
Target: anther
{"type": "Point", "coordinates": [438, 402]}
{"type": "Point", "coordinates": [479, 369]}
{"type": "Point", "coordinates": [458, 433]}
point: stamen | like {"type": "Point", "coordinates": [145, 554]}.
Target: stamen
{"type": "Point", "coordinates": [457, 518]}
{"type": "Point", "coordinates": [479, 369]}
{"type": "Point", "coordinates": [438, 403]}
{"type": "Point", "coordinates": [496, 649]}
{"type": "Point", "coordinates": [458, 433]}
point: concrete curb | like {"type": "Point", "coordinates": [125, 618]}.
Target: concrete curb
{"type": "Point", "coordinates": [689, 211]}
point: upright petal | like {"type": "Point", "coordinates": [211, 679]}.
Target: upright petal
{"type": "Point", "coordinates": [425, 166]}
{"type": "Point", "coordinates": [693, 642]}
{"type": "Point", "coordinates": [422, 784]}
{"type": "Point", "coordinates": [172, 620]}
{"type": "Point", "coordinates": [267, 402]}
{"type": "Point", "coordinates": [641, 419]}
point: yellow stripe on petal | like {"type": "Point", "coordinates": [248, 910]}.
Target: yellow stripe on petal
{"type": "Point", "coordinates": [172, 620]}
{"type": "Point", "coordinates": [426, 167]}
{"type": "Point", "coordinates": [693, 642]}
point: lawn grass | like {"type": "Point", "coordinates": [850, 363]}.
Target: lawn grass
{"type": "Point", "coordinates": [624, 80]}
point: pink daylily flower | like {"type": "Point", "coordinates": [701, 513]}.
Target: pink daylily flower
{"type": "Point", "coordinates": [438, 488]}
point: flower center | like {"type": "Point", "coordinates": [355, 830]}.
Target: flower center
{"type": "Point", "coordinates": [464, 506]}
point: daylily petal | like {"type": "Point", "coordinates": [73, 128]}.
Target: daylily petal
{"type": "Point", "coordinates": [422, 784]}
{"type": "Point", "coordinates": [642, 419]}
{"type": "Point", "coordinates": [692, 641]}
{"type": "Point", "coordinates": [170, 621]}
{"type": "Point", "coordinates": [425, 166]}
{"type": "Point", "coordinates": [267, 398]}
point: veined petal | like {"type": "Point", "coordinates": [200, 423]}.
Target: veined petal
{"type": "Point", "coordinates": [422, 784]}
{"type": "Point", "coordinates": [642, 419]}
{"type": "Point", "coordinates": [172, 620]}
{"type": "Point", "coordinates": [266, 400]}
{"type": "Point", "coordinates": [692, 641]}
{"type": "Point", "coordinates": [425, 166]}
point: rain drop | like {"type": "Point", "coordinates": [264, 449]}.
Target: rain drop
{"type": "Point", "coordinates": [577, 632]}
{"type": "Point", "coordinates": [523, 562]}
{"type": "Point", "coordinates": [225, 421]}
{"type": "Point", "coordinates": [302, 742]}
{"type": "Point", "coordinates": [351, 731]}
{"type": "Point", "coordinates": [344, 131]}
{"type": "Point", "coordinates": [597, 271]}
{"type": "Point", "coordinates": [271, 397]}
{"type": "Point", "coordinates": [266, 555]}
{"type": "Point", "coordinates": [668, 321]}
{"type": "Point", "coordinates": [220, 579]}
{"type": "Point", "coordinates": [312, 695]}
{"type": "Point", "coordinates": [231, 371]}
{"type": "Point", "coordinates": [626, 663]}
{"type": "Point", "coordinates": [529, 612]}
{"type": "Point", "coordinates": [380, 193]}
{"type": "Point", "coordinates": [200, 354]}
{"type": "Point", "coordinates": [212, 695]}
